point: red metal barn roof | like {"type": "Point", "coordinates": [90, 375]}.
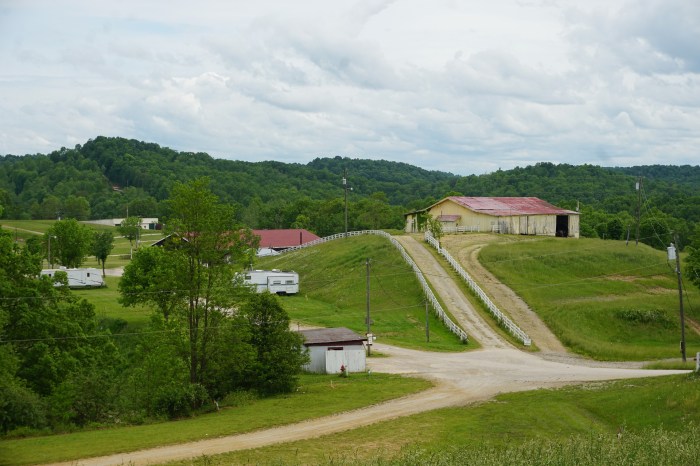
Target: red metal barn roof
{"type": "Point", "coordinates": [279, 239]}
{"type": "Point", "coordinates": [506, 206]}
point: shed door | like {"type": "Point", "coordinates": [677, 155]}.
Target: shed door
{"type": "Point", "coordinates": [335, 357]}
{"type": "Point", "coordinates": [523, 225]}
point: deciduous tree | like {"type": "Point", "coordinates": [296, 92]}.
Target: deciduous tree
{"type": "Point", "coordinates": [70, 242]}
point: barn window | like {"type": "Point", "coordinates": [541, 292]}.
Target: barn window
{"type": "Point", "coordinates": [335, 348]}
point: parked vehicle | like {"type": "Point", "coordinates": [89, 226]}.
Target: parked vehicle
{"type": "Point", "coordinates": [274, 281]}
{"type": "Point", "coordinates": [78, 278]}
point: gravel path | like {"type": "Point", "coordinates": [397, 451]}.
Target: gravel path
{"type": "Point", "coordinates": [453, 297]}
{"type": "Point", "coordinates": [460, 378]}
{"type": "Point", "coordinates": [466, 248]}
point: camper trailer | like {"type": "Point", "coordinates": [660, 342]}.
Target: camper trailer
{"type": "Point", "coordinates": [274, 281]}
{"type": "Point", "coordinates": [78, 278]}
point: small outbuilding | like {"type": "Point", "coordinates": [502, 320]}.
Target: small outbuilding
{"type": "Point", "coordinates": [510, 215]}
{"type": "Point", "coordinates": [331, 349]}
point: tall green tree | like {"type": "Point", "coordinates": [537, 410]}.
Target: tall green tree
{"type": "Point", "coordinates": [70, 242]}
{"type": "Point", "coordinates": [279, 353]}
{"type": "Point", "coordinates": [130, 228]}
{"type": "Point", "coordinates": [192, 280]}
{"type": "Point", "coordinates": [102, 246]}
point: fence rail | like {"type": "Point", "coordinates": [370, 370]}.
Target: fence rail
{"type": "Point", "coordinates": [429, 295]}
{"type": "Point", "coordinates": [500, 317]}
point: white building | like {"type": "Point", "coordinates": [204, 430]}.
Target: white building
{"type": "Point", "coordinates": [147, 223]}
{"type": "Point", "coordinates": [333, 348]}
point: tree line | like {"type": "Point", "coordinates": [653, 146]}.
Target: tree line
{"type": "Point", "coordinates": [117, 177]}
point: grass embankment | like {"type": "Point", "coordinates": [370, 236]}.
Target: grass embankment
{"type": "Point", "coordinates": [333, 292]}
{"type": "Point", "coordinates": [511, 425]}
{"type": "Point", "coordinates": [603, 299]}
{"type": "Point", "coordinates": [318, 395]}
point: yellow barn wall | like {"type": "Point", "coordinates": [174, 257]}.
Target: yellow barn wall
{"type": "Point", "coordinates": [542, 225]}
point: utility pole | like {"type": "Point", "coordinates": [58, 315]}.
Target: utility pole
{"type": "Point", "coordinates": [369, 331]}
{"type": "Point", "coordinates": [639, 207]}
{"type": "Point", "coordinates": [345, 188]}
{"type": "Point", "coordinates": [680, 294]}
{"type": "Point", "coordinates": [427, 322]}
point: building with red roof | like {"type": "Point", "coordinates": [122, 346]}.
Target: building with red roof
{"type": "Point", "coordinates": [510, 215]}
{"type": "Point", "coordinates": [283, 239]}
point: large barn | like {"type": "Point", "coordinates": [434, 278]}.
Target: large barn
{"type": "Point", "coordinates": [509, 215]}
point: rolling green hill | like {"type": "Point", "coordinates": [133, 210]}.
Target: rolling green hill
{"type": "Point", "coordinates": [601, 298]}
{"type": "Point", "coordinates": [333, 280]}
{"type": "Point", "coordinates": [108, 176]}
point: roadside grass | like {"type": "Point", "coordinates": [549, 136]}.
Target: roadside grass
{"type": "Point", "coordinates": [333, 293]}
{"type": "Point", "coordinates": [317, 396]}
{"type": "Point", "coordinates": [601, 298]}
{"type": "Point", "coordinates": [531, 419]}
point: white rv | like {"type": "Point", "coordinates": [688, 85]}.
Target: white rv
{"type": "Point", "coordinates": [274, 281]}
{"type": "Point", "coordinates": [78, 278]}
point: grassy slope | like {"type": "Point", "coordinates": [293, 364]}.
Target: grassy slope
{"type": "Point", "coordinates": [511, 419]}
{"type": "Point", "coordinates": [581, 289]}
{"type": "Point", "coordinates": [333, 292]}
{"type": "Point", "coordinates": [318, 395]}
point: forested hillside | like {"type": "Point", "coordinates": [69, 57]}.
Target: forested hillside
{"type": "Point", "coordinates": [106, 176]}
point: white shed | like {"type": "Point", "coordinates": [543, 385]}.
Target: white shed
{"type": "Point", "coordinates": [333, 348]}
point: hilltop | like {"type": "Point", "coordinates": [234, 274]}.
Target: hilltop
{"type": "Point", "coordinates": [104, 176]}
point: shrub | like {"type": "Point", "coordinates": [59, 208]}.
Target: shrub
{"type": "Point", "coordinates": [644, 316]}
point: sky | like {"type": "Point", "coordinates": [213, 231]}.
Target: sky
{"type": "Point", "coordinates": [460, 86]}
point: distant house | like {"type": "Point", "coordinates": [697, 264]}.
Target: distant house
{"type": "Point", "coordinates": [333, 348]}
{"type": "Point", "coordinates": [147, 223]}
{"type": "Point", "coordinates": [511, 215]}
{"type": "Point", "coordinates": [279, 240]}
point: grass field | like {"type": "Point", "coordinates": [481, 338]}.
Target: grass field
{"type": "Point", "coordinates": [601, 298]}
{"type": "Point", "coordinates": [333, 292]}
{"type": "Point", "coordinates": [509, 421]}
{"type": "Point", "coordinates": [318, 395]}
{"type": "Point", "coordinates": [23, 229]}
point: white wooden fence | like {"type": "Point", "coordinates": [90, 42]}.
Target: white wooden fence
{"type": "Point", "coordinates": [500, 317]}
{"type": "Point", "coordinates": [430, 296]}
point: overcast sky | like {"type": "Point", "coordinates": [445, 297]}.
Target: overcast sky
{"type": "Point", "coordinates": [463, 86]}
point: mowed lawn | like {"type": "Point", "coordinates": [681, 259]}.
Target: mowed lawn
{"type": "Point", "coordinates": [317, 395]}
{"type": "Point", "coordinates": [603, 299]}
{"type": "Point", "coordinates": [333, 292]}
{"type": "Point", "coordinates": [510, 421]}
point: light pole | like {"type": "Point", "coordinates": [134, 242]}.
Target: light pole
{"type": "Point", "coordinates": [345, 188]}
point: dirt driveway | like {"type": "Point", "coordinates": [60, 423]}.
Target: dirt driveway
{"type": "Point", "coordinates": [461, 378]}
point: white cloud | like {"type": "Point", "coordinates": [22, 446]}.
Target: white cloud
{"type": "Point", "coordinates": [466, 87]}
